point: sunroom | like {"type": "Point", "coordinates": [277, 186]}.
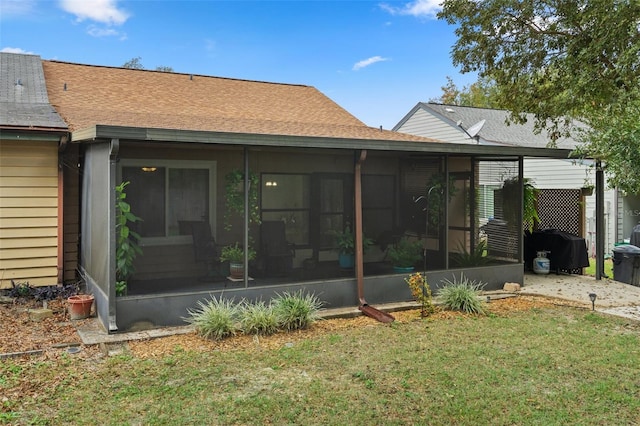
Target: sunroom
{"type": "Point", "coordinates": [304, 195]}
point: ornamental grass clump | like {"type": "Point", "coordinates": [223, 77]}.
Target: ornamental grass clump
{"type": "Point", "coordinates": [258, 318]}
{"type": "Point", "coordinates": [461, 295]}
{"type": "Point", "coordinates": [215, 319]}
{"type": "Point", "coordinates": [296, 311]}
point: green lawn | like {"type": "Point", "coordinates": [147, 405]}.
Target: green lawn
{"type": "Point", "coordinates": [547, 366]}
{"type": "Point", "coordinates": [608, 268]}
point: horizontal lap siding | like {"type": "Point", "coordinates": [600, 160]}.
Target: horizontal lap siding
{"type": "Point", "coordinates": [28, 212]}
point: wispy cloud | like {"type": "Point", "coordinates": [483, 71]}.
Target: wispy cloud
{"type": "Point", "coordinates": [103, 11]}
{"type": "Point", "coordinates": [417, 8]}
{"type": "Point", "coordinates": [369, 61]}
{"type": "Point", "coordinates": [96, 31]}
{"type": "Point", "coordinates": [16, 7]}
{"type": "Point", "coordinates": [15, 50]}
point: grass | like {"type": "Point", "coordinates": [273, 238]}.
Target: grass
{"type": "Point", "coordinates": [551, 366]}
{"type": "Point", "coordinates": [608, 268]}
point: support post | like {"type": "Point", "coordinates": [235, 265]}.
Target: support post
{"type": "Point", "coordinates": [599, 221]}
{"type": "Point", "coordinates": [247, 182]}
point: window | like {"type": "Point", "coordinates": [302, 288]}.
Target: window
{"type": "Point", "coordinates": [378, 200]}
{"type": "Point", "coordinates": [163, 193]}
{"type": "Point", "coordinates": [285, 197]}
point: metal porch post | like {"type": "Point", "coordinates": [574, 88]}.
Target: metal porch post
{"type": "Point", "coordinates": [599, 221]}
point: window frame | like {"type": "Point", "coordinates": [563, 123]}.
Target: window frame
{"type": "Point", "coordinates": [176, 164]}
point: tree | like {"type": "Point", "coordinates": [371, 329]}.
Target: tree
{"type": "Point", "coordinates": [561, 60]}
{"type": "Point", "coordinates": [136, 64]}
{"type": "Point", "coordinates": [481, 94]}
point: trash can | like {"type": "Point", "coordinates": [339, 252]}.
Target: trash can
{"type": "Point", "coordinates": [635, 236]}
{"type": "Point", "coordinates": [626, 264]}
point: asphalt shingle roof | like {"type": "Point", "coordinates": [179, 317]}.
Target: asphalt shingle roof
{"type": "Point", "coordinates": [495, 128]}
{"type": "Point", "coordinates": [87, 95]}
{"type": "Point", "coordinates": [23, 94]}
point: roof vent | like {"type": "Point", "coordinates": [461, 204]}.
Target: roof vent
{"type": "Point", "coordinates": [19, 82]}
{"type": "Point", "coordinates": [64, 87]}
{"type": "Point", "coordinates": [449, 109]}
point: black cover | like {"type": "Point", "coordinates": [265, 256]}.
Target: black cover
{"type": "Point", "coordinates": [567, 252]}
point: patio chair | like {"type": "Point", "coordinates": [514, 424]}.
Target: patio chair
{"type": "Point", "coordinates": [276, 251]}
{"type": "Point", "coordinates": [204, 247]}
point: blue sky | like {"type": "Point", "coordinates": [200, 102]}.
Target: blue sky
{"type": "Point", "coordinates": [376, 59]}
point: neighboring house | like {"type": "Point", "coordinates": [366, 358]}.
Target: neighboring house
{"type": "Point", "coordinates": [177, 138]}
{"type": "Point", "coordinates": [455, 124]}
{"type": "Point", "coordinates": [36, 246]}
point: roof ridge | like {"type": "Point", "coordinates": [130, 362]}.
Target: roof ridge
{"type": "Point", "coordinates": [177, 73]}
{"type": "Point", "coordinates": [466, 106]}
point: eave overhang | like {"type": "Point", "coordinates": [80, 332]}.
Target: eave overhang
{"type": "Point", "coordinates": [133, 134]}
{"type": "Point", "coordinates": [32, 133]}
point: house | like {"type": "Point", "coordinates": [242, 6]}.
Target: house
{"type": "Point", "coordinates": [189, 145]}
{"type": "Point", "coordinates": [560, 179]}
{"type": "Point", "coordinates": [38, 200]}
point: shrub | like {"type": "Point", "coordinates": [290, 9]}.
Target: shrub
{"type": "Point", "coordinates": [296, 311]}
{"type": "Point", "coordinates": [461, 295]}
{"type": "Point", "coordinates": [258, 318]}
{"type": "Point", "coordinates": [23, 290]}
{"type": "Point", "coordinates": [215, 319]}
{"type": "Point", "coordinates": [421, 293]}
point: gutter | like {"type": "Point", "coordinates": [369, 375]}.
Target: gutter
{"type": "Point", "coordinates": [64, 139]}
{"type": "Point", "coordinates": [369, 311]}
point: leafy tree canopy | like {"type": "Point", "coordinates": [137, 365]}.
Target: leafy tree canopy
{"type": "Point", "coordinates": [481, 94]}
{"type": "Point", "coordinates": [560, 60]}
{"type": "Point", "coordinates": [136, 64]}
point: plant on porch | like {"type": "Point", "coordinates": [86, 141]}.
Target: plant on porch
{"type": "Point", "coordinates": [234, 190]}
{"type": "Point", "coordinates": [475, 257]}
{"type": "Point", "coordinates": [405, 253]}
{"type": "Point", "coordinates": [510, 191]}
{"type": "Point", "coordinates": [345, 242]}
{"type": "Point", "coordinates": [127, 241]}
{"type": "Point", "coordinates": [234, 254]}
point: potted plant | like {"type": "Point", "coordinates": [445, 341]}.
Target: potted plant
{"type": "Point", "coordinates": [235, 256]}
{"type": "Point", "coordinates": [404, 254]}
{"type": "Point", "coordinates": [345, 242]}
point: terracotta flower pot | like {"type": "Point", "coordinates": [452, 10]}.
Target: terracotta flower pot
{"type": "Point", "coordinates": [80, 306]}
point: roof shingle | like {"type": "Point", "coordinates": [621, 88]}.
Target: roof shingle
{"type": "Point", "coordinates": [87, 95]}
{"type": "Point", "coordinates": [23, 94]}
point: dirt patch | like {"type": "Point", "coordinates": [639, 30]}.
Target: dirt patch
{"type": "Point", "coordinates": [56, 334]}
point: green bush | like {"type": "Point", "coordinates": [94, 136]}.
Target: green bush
{"type": "Point", "coordinates": [461, 295]}
{"type": "Point", "coordinates": [258, 318]}
{"type": "Point", "coordinates": [215, 319]}
{"type": "Point", "coordinates": [296, 311]}
{"type": "Point", "coordinates": [405, 253]}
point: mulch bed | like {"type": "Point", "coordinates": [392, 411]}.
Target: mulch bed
{"type": "Point", "coordinates": [56, 334]}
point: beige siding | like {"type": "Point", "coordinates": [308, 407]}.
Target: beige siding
{"type": "Point", "coordinates": [423, 123]}
{"type": "Point", "coordinates": [28, 212]}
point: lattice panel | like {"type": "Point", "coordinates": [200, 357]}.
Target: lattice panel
{"type": "Point", "coordinates": [560, 209]}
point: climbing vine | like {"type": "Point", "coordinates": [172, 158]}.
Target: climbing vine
{"type": "Point", "coordinates": [234, 190]}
